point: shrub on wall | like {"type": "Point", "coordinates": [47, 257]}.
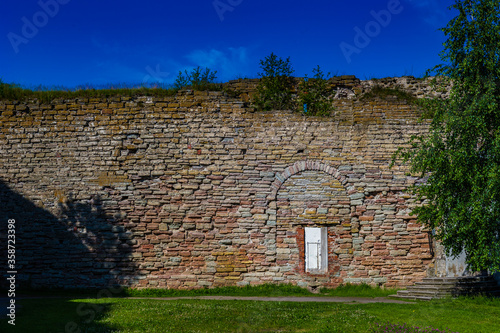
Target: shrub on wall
{"type": "Point", "coordinates": [314, 95]}
{"type": "Point", "coordinates": [198, 79]}
{"type": "Point", "coordinates": [276, 83]}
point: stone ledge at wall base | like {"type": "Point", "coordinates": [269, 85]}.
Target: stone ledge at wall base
{"type": "Point", "coordinates": [435, 288]}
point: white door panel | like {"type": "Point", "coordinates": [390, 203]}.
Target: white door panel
{"type": "Point", "coordinates": [316, 252]}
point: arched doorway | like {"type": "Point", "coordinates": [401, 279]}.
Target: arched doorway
{"type": "Point", "coordinates": [313, 228]}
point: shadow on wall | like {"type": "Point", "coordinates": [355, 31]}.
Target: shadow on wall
{"type": "Point", "coordinates": [82, 247]}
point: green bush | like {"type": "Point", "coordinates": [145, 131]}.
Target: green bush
{"type": "Point", "coordinates": [314, 94]}
{"type": "Point", "coordinates": [198, 79]}
{"type": "Point", "coordinates": [276, 83]}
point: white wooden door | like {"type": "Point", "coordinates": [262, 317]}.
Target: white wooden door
{"type": "Point", "coordinates": [315, 249]}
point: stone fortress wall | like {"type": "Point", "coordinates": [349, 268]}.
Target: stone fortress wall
{"type": "Point", "coordinates": [200, 190]}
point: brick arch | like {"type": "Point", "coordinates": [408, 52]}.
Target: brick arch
{"type": "Point", "coordinates": [291, 214]}
{"type": "Point", "coordinates": [301, 166]}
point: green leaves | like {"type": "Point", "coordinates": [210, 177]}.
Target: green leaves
{"type": "Point", "coordinates": [276, 83]}
{"type": "Point", "coordinates": [314, 94]}
{"type": "Point", "coordinates": [198, 79]}
{"type": "Point", "coordinates": [276, 88]}
{"type": "Point", "coordinates": [461, 153]}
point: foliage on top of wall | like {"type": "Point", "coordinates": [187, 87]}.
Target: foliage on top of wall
{"type": "Point", "coordinates": [314, 94]}
{"type": "Point", "coordinates": [387, 93]}
{"type": "Point", "coordinates": [198, 79]}
{"type": "Point", "coordinates": [274, 91]}
{"type": "Point", "coordinates": [278, 90]}
{"type": "Point", "coordinates": [12, 91]}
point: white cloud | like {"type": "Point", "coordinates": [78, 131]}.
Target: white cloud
{"type": "Point", "coordinates": [228, 63]}
{"type": "Point", "coordinates": [146, 67]}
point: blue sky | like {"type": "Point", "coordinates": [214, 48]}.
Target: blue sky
{"type": "Point", "coordinates": [75, 42]}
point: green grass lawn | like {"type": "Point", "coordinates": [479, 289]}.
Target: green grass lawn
{"type": "Point", "coordinates": [127, 315]}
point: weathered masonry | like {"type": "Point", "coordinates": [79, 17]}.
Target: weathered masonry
{"type": "Point", "coordinates": [198, 190]}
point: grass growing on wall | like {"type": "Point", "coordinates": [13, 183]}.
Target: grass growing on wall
{"type": "Point", "coordinates": [15, 92]}
{"type": "Point", "coordinates": [384, 93]}
{"type": "Point", "coordinates": [12, 91]}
